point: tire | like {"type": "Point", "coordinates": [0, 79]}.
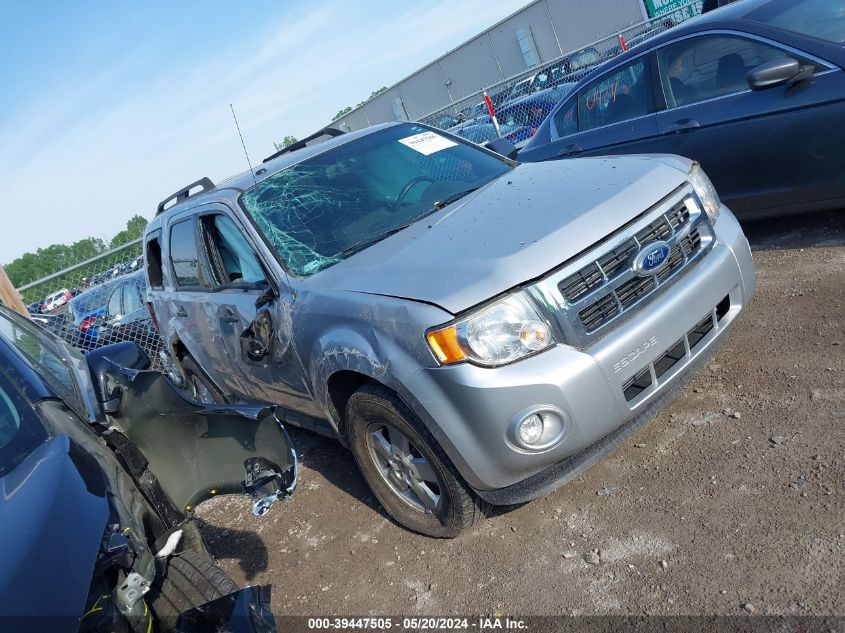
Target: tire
{"type": "Point", "coordinates": [375, 413]}
{"type": "Point", "coordinates": [198, 385]}
{"type": "Point", "coordinates": [184, 582]}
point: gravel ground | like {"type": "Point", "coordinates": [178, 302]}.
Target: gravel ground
{"type": "Point", "coordinates": [730, 501]}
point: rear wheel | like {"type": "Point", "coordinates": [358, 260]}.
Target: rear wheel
{"type": "Point", "coordinates": [185, 582]}
{"type": "Point", "coordinates": [198, 385]}
{"type": "Point", "coordinates": [406, 468]}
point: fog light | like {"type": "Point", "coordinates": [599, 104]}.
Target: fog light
{"type": "Point", "coordinates": [538, 428]}
{"type": "Point", "coordinates": [531, 429]}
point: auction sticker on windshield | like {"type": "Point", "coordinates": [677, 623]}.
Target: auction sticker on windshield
{"type": "Point", "coordinates": [427, 142]}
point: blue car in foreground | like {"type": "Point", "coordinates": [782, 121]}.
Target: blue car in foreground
{"type": "Point", "coordinates": [97, 504]}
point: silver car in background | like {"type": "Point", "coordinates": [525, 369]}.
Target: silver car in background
{"type": "Point", "coordinates": [477, 331]}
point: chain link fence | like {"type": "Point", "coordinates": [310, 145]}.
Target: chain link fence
{"type": "Point", "coordinates": [97, 302]}
{"type": "Point", "coordinates": [523, 101]}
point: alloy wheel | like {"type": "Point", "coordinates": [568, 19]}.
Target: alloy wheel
{"type": "Point", "coordinates": [408, 473]}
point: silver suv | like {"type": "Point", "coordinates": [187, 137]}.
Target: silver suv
{"type": "Point", "coordinates": [477, 331]}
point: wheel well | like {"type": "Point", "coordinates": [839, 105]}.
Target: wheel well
{"type": "Point", "coordinates": [179, 350]}
{"type": "Point", "coordinates": [341, 386]}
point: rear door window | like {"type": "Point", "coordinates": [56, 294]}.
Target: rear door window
{"type": "Point", "coordinates": [20, 430]}
{"type": "Point", "coordinates": [114, 307]}
{"type": "Point", "coordinates": [132, 299]}
{"type": "Point", "coordinates": [184, 258]}
{"type": "Point", "coordinates": [622, 94]}
{"type": "Point", "coordinates": [44, 357]}
{"type": "Point", "coordinates": [153, 260]}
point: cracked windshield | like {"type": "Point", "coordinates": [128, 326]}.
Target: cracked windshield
{"type": "Point", "coordinates": [329, 207]}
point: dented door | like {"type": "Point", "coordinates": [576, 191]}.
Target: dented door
{"type": "Point", "coordinates": [189, 452]}
{"type": "Point", "coordinates": [247, 318]}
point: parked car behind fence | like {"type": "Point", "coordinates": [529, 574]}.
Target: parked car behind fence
{"type": "Point", "coordinates": [56, 300]}
{"type": "Point", "coordinates": [521, 118]}
{"type": "Point", "coordinates": [111, 312]}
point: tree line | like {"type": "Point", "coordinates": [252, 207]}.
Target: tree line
{"type": "Point", "coordinates": [290, 140]}
{"type": "Point", "coordinates": [348, 109]}
{"type": "Point", "coordinates": [30, 267]}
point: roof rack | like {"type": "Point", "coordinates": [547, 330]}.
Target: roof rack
{"type": "Point", "coordinates": [328, 131]}
{"type": "Point", "coordinates": [185, 193]}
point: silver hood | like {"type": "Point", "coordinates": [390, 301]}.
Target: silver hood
{"type": "Point", "coordinates": [513, 230]}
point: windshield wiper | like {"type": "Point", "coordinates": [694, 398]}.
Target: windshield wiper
{"type": "Point", "coordinates": [357, 246]}
{"type": "Point", "coordinates": [453, 197]}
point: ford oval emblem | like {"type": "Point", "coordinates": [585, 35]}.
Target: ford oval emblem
{"type": "Point", "coordinates": [652, 258]}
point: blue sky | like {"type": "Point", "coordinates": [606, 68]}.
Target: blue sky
{"type": "Point", "coordinates": [107, 107]}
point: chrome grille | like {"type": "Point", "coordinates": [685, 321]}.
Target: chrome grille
{"type": "Point", "coordinates": [601, 311]}
{"type": "Point", "coordinates": [601, 287]}
{"type": "Point", "coordinates": [617, 259]}
{"type": "Point", "coordinates": [633, 289]}
{"type": "Point", "coordinates": [582, 283]}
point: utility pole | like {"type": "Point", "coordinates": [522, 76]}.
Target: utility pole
{"type": "Point", "coordinates": [9, 297]}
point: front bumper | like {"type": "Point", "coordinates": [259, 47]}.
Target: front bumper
{"type": "Point", "coordinates": [470, 409]}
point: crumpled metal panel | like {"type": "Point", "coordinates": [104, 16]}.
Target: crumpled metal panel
{"type": "Point", "coordinates": [200, 451]}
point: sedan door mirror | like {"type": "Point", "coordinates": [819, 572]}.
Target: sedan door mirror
{"type": "Point", "coordinates": [106, 362]}
{"type": "Point", "coordinates": [502, 146]}
{"type": "Point", "coordinates": [773, 73]}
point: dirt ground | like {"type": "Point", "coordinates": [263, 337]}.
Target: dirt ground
{"type": "Point", "coordinates": [731, 500]}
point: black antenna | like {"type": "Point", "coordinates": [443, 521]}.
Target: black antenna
{"type": "Point", "coordinates": [248, 162]}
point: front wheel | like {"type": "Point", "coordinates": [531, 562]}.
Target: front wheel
{"type": "Point", "coordinates": [406, 468]}
{"type": "Point", "coordinates": [187, 581]}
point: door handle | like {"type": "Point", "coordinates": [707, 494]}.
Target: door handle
{"type": "Point", "coordinates": [181, 312]}
{"type": "Point", "coordinates": [572, 148]}
{"type": "Point", "coordinates": [227, 315]}
{"type": "Point", "coordinates": [682, 125]}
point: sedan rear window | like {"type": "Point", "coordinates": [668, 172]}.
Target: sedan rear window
{"type": "Point", "coordinates": [52, 362]}
{"type": "Point", "coordinates": [20, 430]}
{"type": "Point", "coordinates": [822, 19]}
{"type": "Point", "coordinates": [326, 208]}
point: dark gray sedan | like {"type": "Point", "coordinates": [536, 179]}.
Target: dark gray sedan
{"type": "Point", "coordinates": [754, 91]}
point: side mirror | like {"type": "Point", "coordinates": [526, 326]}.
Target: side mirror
{"type": "Point", "coordinates": [269, 295]}
{"type": "Point", "coordinates": [502, 146]}
{"type": "Point", "coordinates": [773, 73]}
{"type": "Point", "coordinates": [105, 361]}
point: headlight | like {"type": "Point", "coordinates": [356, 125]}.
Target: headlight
{"type": "Point", "coordinates": [500, 333]}
{"type": "Point", "coordinates": [705, 191]}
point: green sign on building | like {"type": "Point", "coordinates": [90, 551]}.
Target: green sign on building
{"type": "Point", "coordinates": [683, 8]}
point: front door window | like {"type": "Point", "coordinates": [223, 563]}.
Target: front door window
{"type": "Point", "coordinates": [710, 66]}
